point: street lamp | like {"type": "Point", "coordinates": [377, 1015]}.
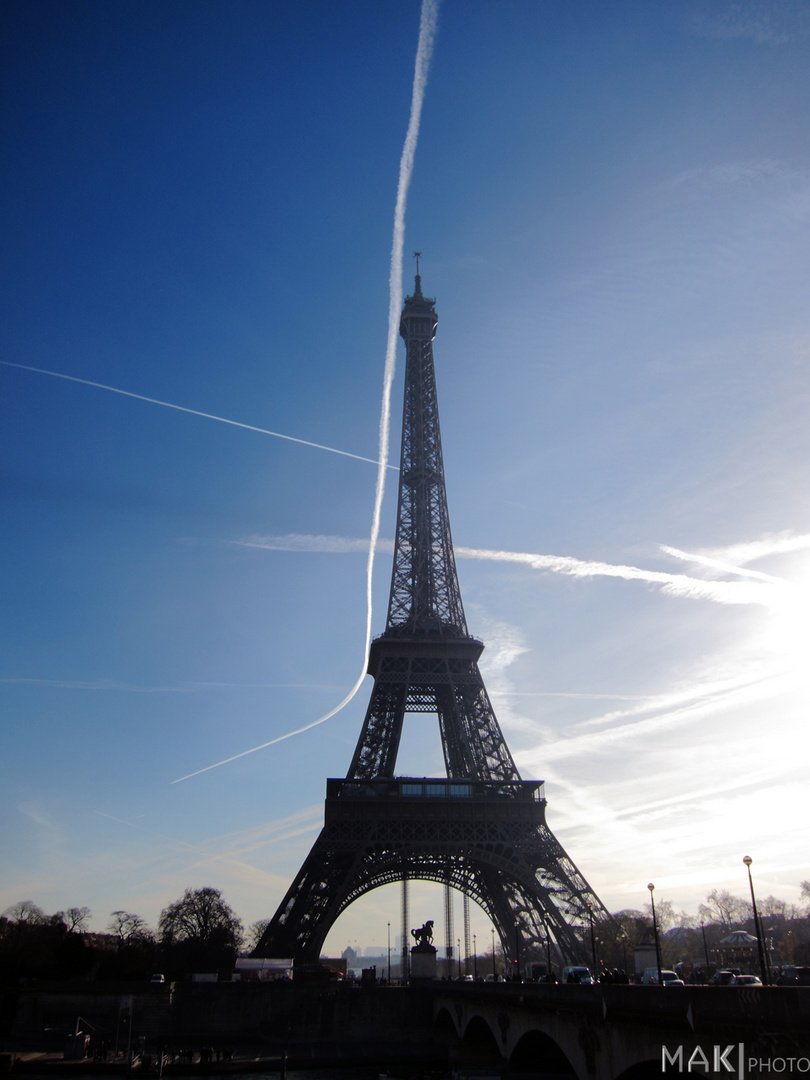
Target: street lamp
{"type": "Point", "coordinates": [705, 948]}
{"type": "Point", "coordinates": [475, 960]}
{"type": "Point", "coordinates": [548, 951]}
{"type": "Point", "coordinates": [494, 972]}
{"type": "Point", "coordinates": [768, 945]}
{"type": "Point", "coordinates": [651, 887]}
{"type": "Point", "coordinates": [458, 943]}
{"type": "Point", "coordinates": [623, 942]}
{"type": "Point", "coordinates": [593, 940]}
{"type": "Point", "coordinates": [517, 951]}
{"type": "Point", "coordinates": [389, 954]}
{"type": "Point", "coordinates": [762, 970]}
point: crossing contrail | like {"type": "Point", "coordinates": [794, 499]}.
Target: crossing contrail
{"type": "Point", "coordinates": [194, 412]}
{"type": "Point", "coordinates": [724, 592]}
{"type": "Point", "coordinates": [424, 50]}
{"type": "Point", "coordinates": [761, 589]}
{"type": "Point", "coordinates": [718, 564]}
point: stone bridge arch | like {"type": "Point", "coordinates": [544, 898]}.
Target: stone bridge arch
{"type": "Point", "coordinates": [537, 1053]}
{"type": "Point", "coordinates": [480, 1042]}
{"type": "Point", "coordinates": [620, 1032]}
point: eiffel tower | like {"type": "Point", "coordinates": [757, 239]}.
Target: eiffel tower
{"type": "Point", "coordinates": [482, 830]}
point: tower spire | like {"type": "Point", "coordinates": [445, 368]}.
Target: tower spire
{"type": "Point", "coordinates": [417, 291]}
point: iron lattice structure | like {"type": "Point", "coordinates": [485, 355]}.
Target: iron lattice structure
{"type": "Point", "coordinates": [482, 829]}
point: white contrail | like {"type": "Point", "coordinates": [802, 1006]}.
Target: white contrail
{"type": "Point", "coordinates": [427, 31]}
{"type": "Point", "coordinates": [720, 564]}
{"type": "Point", "coordinates": [184, 688]}
{"type": "Point", "coordinates": [311, 543]}
{"type": "Point", "coordinates": [746, 552]}
{"type": "Point", "coordinates": [690, 711]}
{"type": "Point", "coordinates": [194, 412]}
{"type": "Point", "coordinates": [725, 592]}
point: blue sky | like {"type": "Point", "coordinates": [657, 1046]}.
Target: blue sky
{"type": "Point", "coordinates": [613, 204]}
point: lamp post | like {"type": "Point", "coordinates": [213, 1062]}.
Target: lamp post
{"type": "Point", "coordinates": [389, 954]}
{"type": "Point", "coordinates": [623, 943]}
{"type": "Point", "coordinates": [475, 959]}
{"type": "Point", "coordinates": [762, 969]}
{"type": "Point", "coordinates": [593, 940]}
{"type": "Point", "coordinates": [458, 956]}
{"type": "Point", "coordinates": [651, 887]}
{"type": "Point", "coordinates": [548, 951]}
{"type": "Point", "coordinates": [705, 948]}
{"type": "Point", "coordinates": [517, 951]}
{"type": "Point", "coordinates": [494, 972]}
{"type": "Point", "coordinates": [768, 951]}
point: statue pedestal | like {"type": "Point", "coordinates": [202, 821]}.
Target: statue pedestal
{"type": "Point", "coordinates": [423, 962]}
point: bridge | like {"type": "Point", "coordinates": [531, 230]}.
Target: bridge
{"type": "Point", "coordinates": [627, 1032]}
{"type": "Point", "coordinates": [550, 1032]}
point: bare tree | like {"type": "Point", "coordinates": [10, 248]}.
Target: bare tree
{"type": "Point", "coordinates": [256, 932]}
{"type": "Point", "coordinates": [665, 915]}
{"type": "Point", "coordinates": [26, 911]}
{"type": "Point", "coordinates": [76, 919]}
{"type": "Point", "coordinates": [721, 907]}
{"type": "Point", "coordinates": [773, 906]}
{"type": "Point", "coordinates": [129, 929]}
{"type": "Point", "coordinates": [202, 916]}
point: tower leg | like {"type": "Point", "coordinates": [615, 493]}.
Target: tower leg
{"type": "Point", "coordinates": [466, 934]}
{"type": "Point", "coordinates": [449, 950]}
{"type": "Point", "coordinates": [406, 934]}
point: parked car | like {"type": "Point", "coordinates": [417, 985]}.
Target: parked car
{"type": "Point", "coordinates": [668, 978]}
{"type": "Point", "coordinates": [723, 978]}
{"type": "Point", "coordinates": [577, 975]}
{"type": "Point", "coordinates": [745, 980]}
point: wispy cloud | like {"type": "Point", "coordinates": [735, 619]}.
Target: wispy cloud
{"type": "Point", "coordinates": [505, 644]}
{"type": "Point", "coordinates": [312, 543]}
{"type": "Point", "coordinates": [228, 851]}
{"type": "Point", "coordinates": [100, 684]}
{"type": "Point", "coordinates": [732, 175]}
{"type": "Point", "coordinates": [729, 560]}
{"type": "Point", "coordinates": [688, 707]}
{"type": "Point", "coordinates": [766, 591]}
{"type": "Point", "coordinates": [182, 688]}
{"type": "Point", "coordinates": [702, 690]}
{"type": "Point", "coordinates": [749, 551]}
{"type": "Point", "coordinates": [35, 814]}
{"type": "Point", "coordinates": [732, 592]}
{"type": "Point", "coordinates": [766, 22]}
{"type": "Point", "coordinates": [722, 565]}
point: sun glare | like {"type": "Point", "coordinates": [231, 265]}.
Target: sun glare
{"type": "Point", "coordinates": [788, 631]}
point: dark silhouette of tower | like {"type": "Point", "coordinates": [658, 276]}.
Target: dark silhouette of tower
{"type": "Point", "coordinates": [482, 829]}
